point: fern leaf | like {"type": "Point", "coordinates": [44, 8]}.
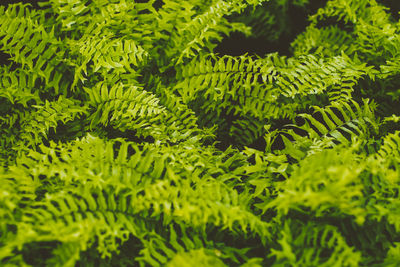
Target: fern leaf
{"type": "Point", "coordinates": [42, 54]}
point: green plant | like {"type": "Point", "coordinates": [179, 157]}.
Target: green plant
{"type": "Point", "coordinates": [126, 141]}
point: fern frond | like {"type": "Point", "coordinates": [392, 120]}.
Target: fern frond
{"type": "Point", "coordinates": [239, 85]}
{"type": "Point", "coordinates": [341, 122]}
{"type": "Point", "coordinates": [375, 35]}
{"type": "Point", "coordinates": [303, 78]}
{"type": "Point", "coordinates": [212, 72]}
{"type": "Point", "coordinates": [49, 115]}
{"type": "Point", "coordinates": [393, 256]}
{"type": "Point", "coordinates": [18, 87]}
{"type": "Point", "coordinates": [326, 183]}
{"type": "Point", "coordinates": [319, 246]}
{"type": "Point", "coordinates": [253, 86]}
{"type": "Point", "coordinates": [246, 131]}
{"type": "Point", "coordinates": [126, 140]}
{"type": "Point", "coordinates": [127, 107]}
{"type": "Point", "coordinates": [371, 25]}
{"type": "Point", "coordinates": [121, 18]}
{"type": "Point", "coordinates": [328, 42]}
{"type": "Point", "coordinates": [178, 110]}
{"type": "Point", "coordinates": [113, 199]}
{"type": "Point", "coordinates": [349, 11]}
{"type": "Point", "coordinates": [202, 29]}
{"type": "Point", "coordinates": [33, 47]}
{"type": "Point", "coordinates": [196, 32]}
{"type": "Point", "coordinates": [390, 147]}
{"type": "Point", "coordinates": [102, 55]}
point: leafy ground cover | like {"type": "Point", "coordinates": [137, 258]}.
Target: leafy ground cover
{"type": "Point", "coordinates": [133, 133]}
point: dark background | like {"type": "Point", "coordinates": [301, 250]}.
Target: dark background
{"type": "Point", "coordinates": [6, 2]}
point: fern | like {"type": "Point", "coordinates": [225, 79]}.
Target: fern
{"type": "Point", "coordinates": [31, 45]}
{"type": "Point", "coordinates": [319, 245]}
{"type": "Point", "coordinates": [120, 190]}
{"type": "Point", "coordinates": [126, 140]}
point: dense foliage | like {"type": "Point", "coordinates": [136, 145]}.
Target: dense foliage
{"type": "Point", "coordinates": [126, 140]}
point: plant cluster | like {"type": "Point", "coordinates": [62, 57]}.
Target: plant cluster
{"type": "Point", "coordinates": [127, 141]}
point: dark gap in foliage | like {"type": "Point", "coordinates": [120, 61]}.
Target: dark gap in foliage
{"type": "Point", "coordinates": [259, 143]}
{"type": "Point", "coordinates": [335, 21]}
{"type": "Point", "coordinates": [252, 159]}
{"type": "Point", "coordinates": [300, 121]}
{"type": "Point", "coordinates": [374, 234]}
{"type": "Point", "coordinates": [68, 131]}
{"type": "Point", "coordinates": [37, 253]}
{"type": "Point", "coordinates": [296, 18]}
{"type": "Point", "coordinates": [129, 135]}
{"type": "Point", "coordinates": [5, 59]}
{"type": "Point", "coordinates": [313, 6]}
{"type": "Point", "coordinates": [226, 237]}
{"type": "Point", "coordinates": [34, 3]}
{"type": "Point", "coordinates": [45, 141]}
{"type": "Point", "coordinates": [48, 94]}
{"type": "Point", "coordinates": [223, 143]}
{"type": "Point", "coordinates": [280, 123]}
{"type": "Point", "coordinates": [5, 106]}
{"type": "Point", "coordinates": [384, 92]}
{"type": "Point", "coordinates": [390, 127]}
{"type": "Point", "coordinates": [157, 4]}
{"type": "Point", "coordinates": [394, 7]}
{"type": "Point", "coordinates": [278, 144]}
{"type": "Point", "coordinates": [169, 74]}
{"type": "Point", "coordinates": [127, 253]}
{"type": "Point", "coordinates": [238, 44]}
{"type": "Point", "coordinates": [11, 228]}
{"type": "Point", "coordinates": [337, 113]}
{"type": "Point", "coordinates": [116, 147]}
